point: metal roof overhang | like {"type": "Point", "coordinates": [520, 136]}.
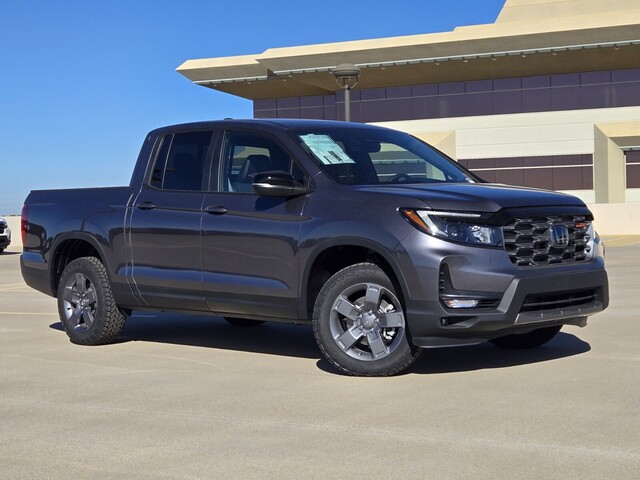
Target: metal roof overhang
{"type": "Point", "coordinates": [302, 71]}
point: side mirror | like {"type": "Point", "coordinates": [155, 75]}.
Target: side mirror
{"type": "Point", "coordinates": [277, 184]}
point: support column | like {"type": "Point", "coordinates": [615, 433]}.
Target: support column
{"type": "Point", "coordinates": [443, 141]}
{"type": "Point", "coordinates": [608, 169]}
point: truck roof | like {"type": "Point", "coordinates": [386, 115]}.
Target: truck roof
{"type": "Point", "coordinates": [285, 123]}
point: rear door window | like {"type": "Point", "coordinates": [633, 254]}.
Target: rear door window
{"type": "Point", "coordinates": [181, 161]}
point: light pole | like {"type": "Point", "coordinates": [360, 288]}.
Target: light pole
{"type": "Point", "coordinates": [347, 76]}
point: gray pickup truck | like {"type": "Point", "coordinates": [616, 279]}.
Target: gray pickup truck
{"type": "Point", "coordinates": [382, 243]}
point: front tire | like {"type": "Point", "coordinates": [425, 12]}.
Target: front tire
{"type": "Point", "coordinates": [532, 339]}
{"type": "Point", "coordinates": [86, 305]}
{"type": "Point", "coordinates": [359, 323]}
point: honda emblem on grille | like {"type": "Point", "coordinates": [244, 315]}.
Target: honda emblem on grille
{"type": "Point", "coordinates": [559, 236]}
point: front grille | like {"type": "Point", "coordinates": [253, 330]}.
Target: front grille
{"type": "Point", "coordinates": [528, 241]}
{"type": "Point", "coordinates": [550, 301]}
{"type": "Point", "coordinates": [2, 227]}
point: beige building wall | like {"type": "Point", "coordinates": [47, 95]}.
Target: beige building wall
{"type": "Point", "coordinates": [601, 132]}
{"type": "Point", "coordinates": [522, 134]}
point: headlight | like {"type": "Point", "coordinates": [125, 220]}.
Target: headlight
{"type": "Point", "coordinates": [459, 227]}
{"type": "Point", "coordinates": [595, 246]}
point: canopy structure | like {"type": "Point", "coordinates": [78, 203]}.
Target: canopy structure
{"type": "Point", "coordinates": [529, 37]}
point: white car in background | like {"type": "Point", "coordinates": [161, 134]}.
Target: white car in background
{"type": "Point", "coordinates": [5, 234]}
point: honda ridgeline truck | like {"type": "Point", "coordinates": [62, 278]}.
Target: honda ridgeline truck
{"type": "Point", "coordinates": [381, 242]}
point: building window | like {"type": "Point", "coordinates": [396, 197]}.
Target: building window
{"type": "Point", "coordinates": [633, 168]}
{"type": "Point", "coordinates": [553, 172]}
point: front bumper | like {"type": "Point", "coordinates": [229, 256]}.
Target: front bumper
{"type": "Point", "coordinates": [433, 325]}
{"type": "Point", "coordinates": [514, 300]}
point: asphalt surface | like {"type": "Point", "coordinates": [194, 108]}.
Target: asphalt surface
{"type": "Point", "coordinates": [190, 397]}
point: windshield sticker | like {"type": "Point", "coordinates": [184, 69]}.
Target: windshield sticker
{"type": "Point", "coordinates": [327, 151]}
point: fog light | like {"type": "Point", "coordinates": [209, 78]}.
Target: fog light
{"type": "Point", "coordinates": [460, 303]}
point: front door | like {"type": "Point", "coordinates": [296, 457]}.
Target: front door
{"type": "Point", "coordinates": [250, 242]}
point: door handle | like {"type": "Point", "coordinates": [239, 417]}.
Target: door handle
{"type": "Point", "coordinates": [146, 205]}
{"type": "Point", "coordinates": [216, 209]}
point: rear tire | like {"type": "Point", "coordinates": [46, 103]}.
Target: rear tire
{"type": "Point", "coordinates": [86, 305]}
{"type": "Point", "coordinates": [359, 323]}
{"type": "Point", "coordinates": [531, 339]}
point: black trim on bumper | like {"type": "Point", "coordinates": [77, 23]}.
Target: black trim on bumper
{"type": "Point", "coordinates": [432, 325]}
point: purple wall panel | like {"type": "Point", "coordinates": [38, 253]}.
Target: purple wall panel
{"type": "Point", "coordinates": [595, 96]}
{"type": "Point", "coordinates": [291, 102]}
{"type": "Point", "coordinates": [329, 113]}
{"type": "Point", "coordinates": [373, 94]}
{"type": "Point", "coordinates": [542, 161]}
{"type": "Point", "coordinates": [565, 80]}
{"type": "Point", "coordinates": [312, 113]}
{"type": "Point", "coordinates": [452, 106]}
{"type": "Point", "coordinates": [509, 162]}
{"type": "Point", "coordinates": [399, 92]}
{"type": "Point", "coordinates": [539, 81]}
{"type": "Point", "coordinates": [398, 109]}
{"type": "Point", "coordinates": [424, 90]}
{"type": "Point", "coordinates": [536, 100]}
{"type": "Point", "coordinates": [267, 104]}
{"type": "Point", "coordinates": [483, 97]}
{"type": "Point", "coordinates": [371, 108]}
{"type": "Point", "coordinates": [478, 104]}
{"type": "Point", "coordinates": [565, 98]}
{"type": "Point", "coordinates": [507, 102]}
{"type": "Point", "coordinates": [539, 178]}
{"type": "Point", "coordinates": [481, 163]}
{"type": "Point", "coordinates": [315, 101]}
{"type": "Point", "coordinates": [487, 176]}
{"type": "Point", "coordinates": [511, 177]}
{"type": "Point", "coordinates": [479, 86]}
{"type": "Point", "coordinates": [451, 88]}
{"type": "Point", "coordinates": [568, 178]}
{"type": "Point", "coordinates": [591, 78]}
{"type": "Point", "coordinates": [628, 75]}
{"type": "Point", "coordinates": [504, 84]}
{"type": "Point", "coordinates": [625, 94]}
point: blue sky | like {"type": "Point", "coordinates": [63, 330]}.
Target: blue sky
{"type": "Point", "coordinates": [82, 82]}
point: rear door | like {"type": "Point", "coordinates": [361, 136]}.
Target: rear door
{"type": "Point", "coordinates": [165, 223]}
{"type": "Point", "coordinates": [250, 243]}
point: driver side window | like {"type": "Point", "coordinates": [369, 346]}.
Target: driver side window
{"type": "Point", "coordinates": [247, 154]}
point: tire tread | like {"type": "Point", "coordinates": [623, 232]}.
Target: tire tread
{"type": "Point", "coordinates": [109, 320]}
{"type": "Point", "coordinates": [352, 273]}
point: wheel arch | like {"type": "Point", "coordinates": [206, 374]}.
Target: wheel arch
{"type": "Point", "coordinates": [70, 247]}
{"type": "Point", "coordinates": [332, 256]}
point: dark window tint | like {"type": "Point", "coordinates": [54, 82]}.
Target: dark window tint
{"type": "Point", "coordinates": [181, 161]}
{"type": "Point", "coordinates": [247, 154]}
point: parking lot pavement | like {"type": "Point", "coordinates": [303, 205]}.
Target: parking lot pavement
{"type": "Point", "coordinates": [189, 397]}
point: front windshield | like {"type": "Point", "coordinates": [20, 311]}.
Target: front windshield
{"type": "Point", "coordinates": [360, 155]}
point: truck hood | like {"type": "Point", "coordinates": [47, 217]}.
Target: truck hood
{"type": "Point", "coordinates": [477, 197]}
